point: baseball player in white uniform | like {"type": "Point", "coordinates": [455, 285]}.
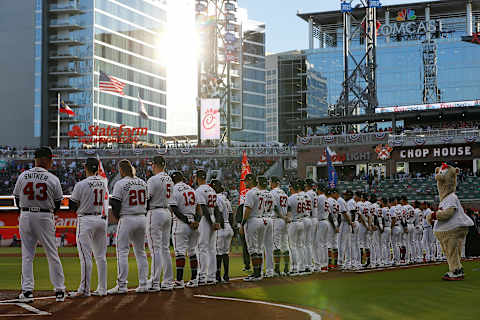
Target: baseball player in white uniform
{"type": "Point", "coordinates": [309, 224]}
{"type": "Point", "coordinates": [306, 225]}
{"type": "Point", "coordinates": [38, 194]}
{"type": "Point", "coordinates": [253, 225]}
{"type": "Point", "coordinates": [352, 206]}
{"type": "Point", "coordinates": [129, 206]}
{"type": "Point", "coordinates": [280, 234]}
{"type": "Point", "coordinates": [418, 232]}
{"type": "Point", "coordinates": [268, 214]}
{"type": "Point", "coordinates": [207, 252]}
{"type": "Point", "coordinates": [366, 235]}
{"type": "Point", "coordinates": [87, 200]}
{"type": "Point", "coordinates": [159, 223]}
{"type": "Point", "coordinates": [296, 206]}
{"type": "Point", "coordinates": [377, 227]}
{"type": "Point", "coordinates": [322, 228]}
{"type": "Point", "coordinates": [345, 232]}
{"type": "Point", "coordinates": [333, 230]}
{"type": "Point", "coordinates": [428, 238]}
{"type": "Point", "coordinates": [225, 233]}
{"type": "Point", "coordinates": [184, 229]}
{"type": "Point", "coordinates": [409, 216]}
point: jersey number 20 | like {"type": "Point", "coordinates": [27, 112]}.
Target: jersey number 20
{"type": "Point", "coordinates": [136, 197]}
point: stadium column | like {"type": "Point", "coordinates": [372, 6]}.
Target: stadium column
{"type": "Point", "coordinates": [310, 33]}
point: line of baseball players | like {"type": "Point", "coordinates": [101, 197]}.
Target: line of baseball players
{"type": "Point", "coordinates": [315, 229]}
{"type": "Point", "coordinates": [312, 229]}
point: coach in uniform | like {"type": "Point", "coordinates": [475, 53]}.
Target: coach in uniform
{"type": "Point", "coordinates": [129, 206]}
{"type": "Point", "coordinates": [185, 229]}
{"type": "Point", "coordinates": [159, 223]}
{"type": "Point", "coordinates": [38, 195]}
{"type": "Point", "coordinates": [87, 200]}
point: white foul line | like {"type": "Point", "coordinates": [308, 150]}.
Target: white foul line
{"type": "Point", "coordinates": [35, 311]}
{"type": "Point", "coordinates": [313, 315]}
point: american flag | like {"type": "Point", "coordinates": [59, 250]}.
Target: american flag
{"type": "Point", "coordinates": [109, 83]}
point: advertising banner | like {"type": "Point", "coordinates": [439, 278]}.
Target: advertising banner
{"type": "Point", "coordinates": [210, 119]}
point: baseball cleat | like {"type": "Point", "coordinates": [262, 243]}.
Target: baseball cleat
{"type": "Point", "coordinates": [153, 289]}
{"type": "Point", "coordinates": [99, 293]}
{"type": "Point", "coordinates": [202, 283]}
{"type": "Point", "coordinates": [226, 279]}
{"type": "Point", "coordinates": [60, 296]}
{"type": "Point", "coordinates": [25, 296]}
{"type": "Point", "coordinates": [141, 289]}
{"type": "Point", "coordinates": [211, 282]}
{"type": "Point", "coordinates": [117, 290]}
{"type": "Point", "coordinates": [249, 278]}
{"type": "Point", "coordinates": [192, 284]}
{"type": "Point", "coordinates": [268, 275]}
{"type": "Point", "coordinates": [178, 284]}
{"type": "Point", "coordinates": [78, 294]}
{"type": "Point", "coordinates": [324, 269]}
{"type": "Point", "coordinates": [246, 269]}
{"type": "Point", "coordinates": [166, 287]}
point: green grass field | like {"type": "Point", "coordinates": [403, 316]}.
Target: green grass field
{"type": "Point", "coordinates": [10, 270]}
{"type": "Point", "coordinates": [403, 294]}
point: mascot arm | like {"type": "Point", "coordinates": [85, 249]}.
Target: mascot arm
{"type": "Point", "coordinates": [446, 213]}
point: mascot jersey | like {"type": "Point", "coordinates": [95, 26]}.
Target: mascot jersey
{"type": "Point", "coordinates": [459, 218]}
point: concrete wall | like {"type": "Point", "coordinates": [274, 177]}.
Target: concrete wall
{"type": "Point", "coordinates": [17, 35]}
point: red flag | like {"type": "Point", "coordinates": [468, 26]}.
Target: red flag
{"type": "Point", "coordinates": [245, 170]}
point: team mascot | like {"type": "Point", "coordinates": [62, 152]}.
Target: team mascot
{"type": "Point", "coordinates": [452, 223]}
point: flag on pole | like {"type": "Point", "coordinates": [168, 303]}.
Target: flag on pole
{"type": "Point", "coordinates": [142, 111]}
{"type": "Point", "coordinates": [332, 174]}
{"type": "Point", "coordinates": [110, 83]}
{"type": "Point", "coordinates": [103, 175]}
{"type": "Point", "coordinates": [64, 108]}
{"type": "Point", "coordinates": [245, 170]}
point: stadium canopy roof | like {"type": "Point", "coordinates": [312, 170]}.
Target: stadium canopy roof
{"type": "Point", "coordinates": [444, 7]}
{"type": "Point", "coordinates": [470, 113]}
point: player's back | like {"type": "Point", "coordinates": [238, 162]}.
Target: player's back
{"type": "Point", "coordinates": [90, 195]}
{"type": "Point", "coordinates": [184, 198]}
{"type": "Point", "coordinates": [280, 198]}
{"type": "Point", "coordinates": [268, 204]}
{"type": "Point", "coordinates": [296, 205]}
{"type": "Point", "coordinates": [254, 201]}
{"type": "Point", "coordinates": [132, 192]}
{"type": "Point", "coordinates": [224, 206]}
{"type": "Point", "coordinates": [160, 187]}
{"type": "Point", "coordinates": [322, 207]}
{"type": "Point", "coordinates": [207, 196]}
{"type": "Point", "coordinates": [38, 188]}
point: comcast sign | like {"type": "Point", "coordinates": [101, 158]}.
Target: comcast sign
{"type": "Point", "coordinates": [407, 25]}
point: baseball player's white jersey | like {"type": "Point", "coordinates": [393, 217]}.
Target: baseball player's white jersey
{"type": "Point", "coordinates": [396, 211]}
{"type": "Point", "coordinates": [132, 193]}
{"type": "Point", "coordinates": [296, 205]}
{"type": "Point", "coordinates": [428, 239]}
{"type": "Point", "coordinates": [280, 236]}
{"type": "Point", "coordinates": [322, 232]}
{"type": "Point", "coordinates": [376, 214]}
{"type": "Point", "coordinates": [268, 214]}
{"type": "Point", "coordinates": [91, 232]}
{"type": "Point", "coordinates": [355, 249]}
{"type": "Point", "coordinates": [38, 190]}
{"type": "Point", "coordinates": [308, 225]}
{"type": "Point", "coordinates": [185, 239]}
{"type": "Point", "coordinates": [418, 235]}
{"type": "Point", "coordinates": [206, 243]}
{"type": "Point", "coordinates": [333, 210]}
{"type": "Point", "coordinates": [159, 223]}
{"type": "Point", "coordinates": [255, 227]}
{"type": "Point", "coordinates": [345, 236]}
{"type": "Point", "coordinates": [224, 235]}
{"type": "Point", "coordinates": [409, 215]}
{"type": "Point", "coordinates": [386, 239]}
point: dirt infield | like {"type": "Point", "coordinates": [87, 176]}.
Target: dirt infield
{"type": "Point", "coordinates": [179, 304]}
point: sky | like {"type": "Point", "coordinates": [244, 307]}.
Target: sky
{"type": "Point", "coordinates": [286, 31]}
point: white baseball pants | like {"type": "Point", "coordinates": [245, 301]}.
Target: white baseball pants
{"type": "Point", "coordinates": [159, 223]}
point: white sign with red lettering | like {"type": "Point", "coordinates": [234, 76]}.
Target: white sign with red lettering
{"type": "Point", "coordinates": [210, 119]}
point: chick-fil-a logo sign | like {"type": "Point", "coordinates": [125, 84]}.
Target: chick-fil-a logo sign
{"type": "Point", "coordinates": [210, 115]}
{"type": "Point", "coordinates": [97, 134]}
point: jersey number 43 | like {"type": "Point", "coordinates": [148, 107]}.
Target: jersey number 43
{"type": "Point", "coordinates": [39, 192]}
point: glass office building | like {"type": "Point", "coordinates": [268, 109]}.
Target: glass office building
{"type": "Point", "coordinates": [403, 64]}
{"type": "Point", "coordinates": [253, 85]}
{"type": "Point", "coordinates": [121, 38]}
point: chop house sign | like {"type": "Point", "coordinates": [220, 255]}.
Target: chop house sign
{"type": "Point", "coordinates": [418, 153]}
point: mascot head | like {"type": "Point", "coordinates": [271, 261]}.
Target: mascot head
{"type": "Point", "coordinates": [446, 177]}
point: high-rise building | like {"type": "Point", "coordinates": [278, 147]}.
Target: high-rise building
{"type": "Point", "coordinates": [253, 114]}
{"type": "Point", "coordinates": [286, 95]}
{"type": "Point", "coordinates": [73, 41]}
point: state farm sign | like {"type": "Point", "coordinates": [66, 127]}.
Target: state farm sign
{"type": "Point", "coordinates": [436, 152]}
